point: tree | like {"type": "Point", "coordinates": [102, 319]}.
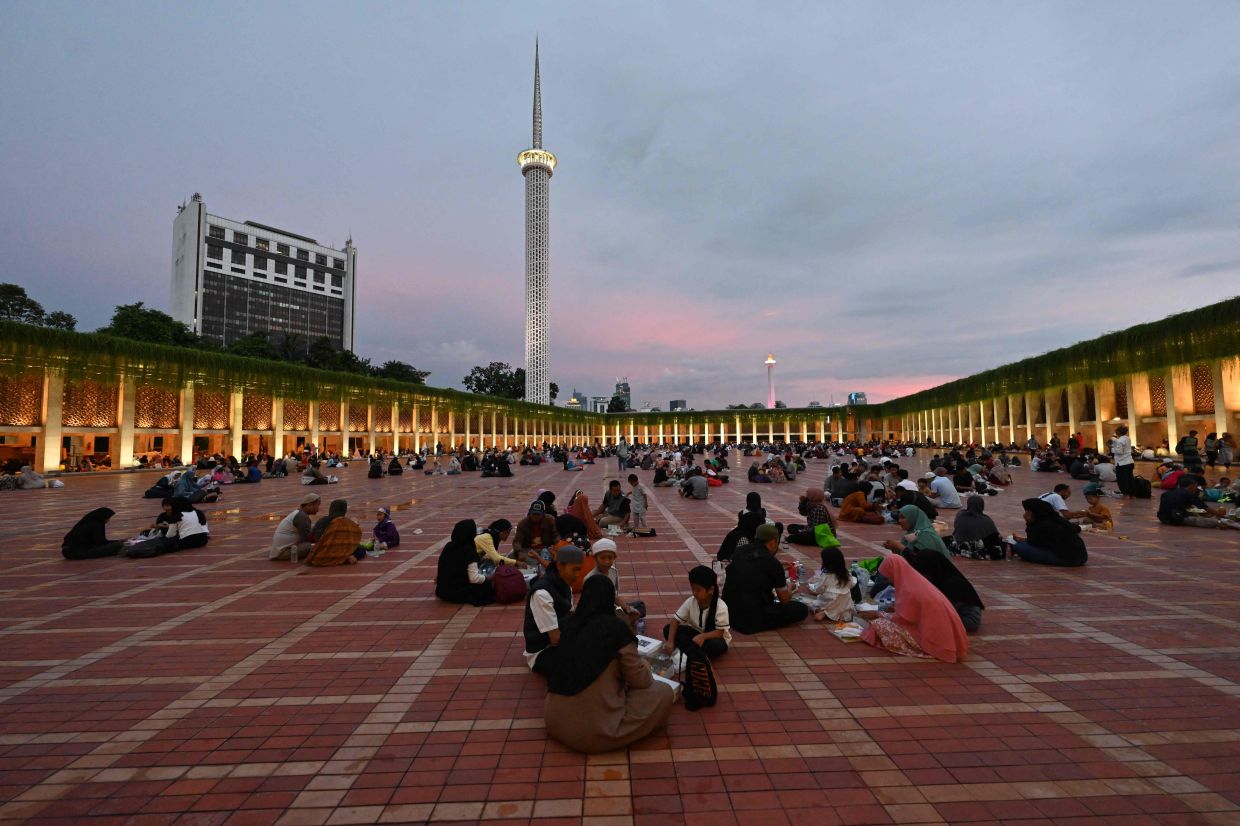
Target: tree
{"type": "Point", "coordinates": [134, 321]}
{"type": "Point", "coordinates": [60, 320]}
{"type": "Point", "coordinates": [290, 346]}
{"type": "Point", "coordinates": [15, 305]}
{"type": "Point", "coordinates": [255, 345]}
{"type": "Point", "coordinates": [552, 387]}
{"type": "Point", "coordinates": [757, 406]}
{"type": "Point", "coordinates": [617, 405]}
{"type": "Point", "coordinates": [496, 379]}
{"type": "Point", "coordinates": [401, 372]}
{"type": "Point", "coordinates": [737, 407]}
{"type": "Point", "coordinates": [325, 355]}
{"type": "Point", "coordinates": [780, 405]}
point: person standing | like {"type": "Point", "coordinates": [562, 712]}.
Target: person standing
{"type": "Point", "coordinates": [1121, 452]}
{"type": "Point", "coordinates": [622, 456]}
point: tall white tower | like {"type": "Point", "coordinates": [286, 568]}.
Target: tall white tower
{"type": "Point", "coordinates": [537, 164]}
{"type": "Point", "coordinates": [770, 381]}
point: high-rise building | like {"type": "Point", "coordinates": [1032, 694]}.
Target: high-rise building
{"type": "Point", "coordinates": [232, 278]}
{"type": "Point", "coordinates": [537, 164]}
{"type": "Point", "coordinates": [576, 401]}
{"type": "Point", "coordinates": [622, 390]}
{"type": "Point", "coordinates": [677, 404]}
{"type": "Point", "coordinates": [857, 398]}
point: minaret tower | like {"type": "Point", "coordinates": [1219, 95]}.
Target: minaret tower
{"type": "Point", "coordinates": [770, 381]}
{"type": "Point", "coordinates": [537, 164]}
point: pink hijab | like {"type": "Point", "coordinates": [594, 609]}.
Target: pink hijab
{"type": "Point", "coordinates": [924, 611]}
{"type": "Point", "coordinates": [580, 508]}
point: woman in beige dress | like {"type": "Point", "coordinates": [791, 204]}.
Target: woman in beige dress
{"type": "Point", "coordinates": [602, 694]}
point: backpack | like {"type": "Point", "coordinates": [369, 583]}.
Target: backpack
{"type": "Point", "coordinates": [1141, 487]}
{"type": "Point", "coordinates": [700, 688]}
{"type": "Point", "coordinates": [509, 584]}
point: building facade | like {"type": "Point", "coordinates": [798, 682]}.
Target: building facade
{"type": "Point", "coordinates": [677, 404]}
{"type": "Point", "coordinates": [537, 165]}
{"type": "Point", "coordinates": [233, 278]}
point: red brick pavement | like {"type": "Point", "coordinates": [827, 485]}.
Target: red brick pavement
{"type": "Point", "coordinates": [214, 686]}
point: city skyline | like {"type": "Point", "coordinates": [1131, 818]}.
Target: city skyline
{"type": "Point", "coordinates": [879, 196]}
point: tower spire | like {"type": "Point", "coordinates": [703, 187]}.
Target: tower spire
{"type": "Point", "coordinates": [537, 101]}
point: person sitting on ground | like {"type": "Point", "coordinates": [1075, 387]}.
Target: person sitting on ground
{"type": "Point", "coordinates": [187, 526]}
{"type": "Point", "coordinates": [340, 544]}
{"type": "Point", "coordinates": [916, 497]}
{"type": "Point", "coordinates": [394, 468]}
{"type": "Point", "coordinates": [603, 553]}
{"type": "Point", "coordinates": [28, 479]}
{"type": "Point", "coordinates": [88, 538]}
{"type": "Point", "coordinates": [1058, 499]}
{"type": "Point", "coordinates": [602, 696]}
{"type": "Point", "coordinates": [577, 522]}
{"type": "Point", "coordinates": [335, 509]}
{"type": "Point", "coordinates": [856, 507]}
{"type": "Point", "coordinates": [756, 589]}
{"type": "Point", "coordinates": [1169, 475]}
{"type": "Point", "coordinates": [313, 474]}
{"type": "Point", "coordinates": [458, 579]}
{"type": "Point", "coordinates": [974, 531]}
{"type": "Point", "coordinates": [535, 534]}
{"type": "Point", "coordinates": [612, 511]}
{"type": "Point", "coordinates": [1050, 539]}
{"type": "Point", "coordinates": [292, 540]}
{"type": "Point", "coordinates": [747, 522]}
{"type": "Point", "coordinates": [832, 588]}
{"type": "Point", "coordinates": [943, 490]}
{"type": "Point", "coordinates": [924, 623]}
{"type": "Point", "coordinates": [702, 621]}
{"type": "Point", "coordinates": [999, 475]}
{"type": "Point", "coordinates": [1097, 514]}
{"type": "Point", "coordinates": [386, 535]}
{"type": "Point", "coordinates": [695, 487]}
{"type": "Point", "coordinates": [1185, 506]}
{"type": "Point", "coordinates": [661, 479]}
{"type": "Point", "coordinates": [919, 535]}
{"type": "Point", "coordinates": [813, 507]}
{"type": "Point", "coordinates": [454, 466]}
{"type": "Point", "coordinates": [943, 574]}
{"type": "Point", "coordinates": [548, 604]}
{"type": "Point", "coordinates": [488, 541]}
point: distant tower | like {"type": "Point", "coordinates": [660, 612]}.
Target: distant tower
{"type": "Point", "coordinates": [537, 164]}
{"type": "Point", "coordinates": [770, 381]}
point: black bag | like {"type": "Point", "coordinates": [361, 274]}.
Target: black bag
{"type": "Point", "coordinates": [700, 688]}
{"type": "Point", "coordinates": [149, 547]}
{"type": "Point", "coordinates": [1141, 487]}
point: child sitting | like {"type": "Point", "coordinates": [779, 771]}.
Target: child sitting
{"type": "Point", "coordinates": [832, 588]}
{"type": "Point", "coordinates": [702, 621]}
{"type": "Point", "coordinates": [604, 553]}
{"type": "Point", "coordinates": [1098, 515]}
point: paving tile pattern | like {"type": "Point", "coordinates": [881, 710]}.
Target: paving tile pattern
{"type": "Point", "coordinates": [214, 686]}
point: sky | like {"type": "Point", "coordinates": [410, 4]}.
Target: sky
{"type": "Point", "coordinates": [885, 195]}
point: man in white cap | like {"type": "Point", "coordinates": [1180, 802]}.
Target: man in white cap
{"type": "Point", "coordinates": [292, 537]}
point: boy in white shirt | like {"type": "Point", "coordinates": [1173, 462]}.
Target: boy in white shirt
{"type": "Point", "coordinates": [702, 621]}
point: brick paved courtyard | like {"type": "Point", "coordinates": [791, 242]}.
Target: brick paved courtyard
{"type": "Point", "coordinates": [214, 686]}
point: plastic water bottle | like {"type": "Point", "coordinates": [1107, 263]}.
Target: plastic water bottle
{"type": "Point", "coordinates": [641, 626]}
{"type": "Point", "coordinates": [800, 571]}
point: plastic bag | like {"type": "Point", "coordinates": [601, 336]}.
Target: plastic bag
{"type": "Point", "coordinates": [886, 599]}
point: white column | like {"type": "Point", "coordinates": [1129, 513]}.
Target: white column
{"type": "Point", "coordinates": [126, 414]}
{"type": "Point", "coordinates": [187, 425]}
{"type": "Point", "coordinates": [47, 457]}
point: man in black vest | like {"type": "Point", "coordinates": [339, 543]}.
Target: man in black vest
{"type": "Point", "coordinates": [756, 590]}
{"type": "Point", "coordinates": [549, 603]}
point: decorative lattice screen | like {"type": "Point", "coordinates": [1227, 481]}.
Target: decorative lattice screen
{"type": "Point", "coordinates": [89, 404]}
{"type": "Point", "coordinates": [21, 401]}
{"type": "Point", "coordinates": [157, 407]}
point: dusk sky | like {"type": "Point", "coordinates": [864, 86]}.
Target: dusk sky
{"type": "Point", "coordinates": [885, 195]}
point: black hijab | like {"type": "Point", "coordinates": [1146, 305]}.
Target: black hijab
{"type": "Point", "coordinates": [972, 523]}
{"type": "Point", "coordinates": [919, 500]}
{"type": "Point", "coordinates": [452, 579]}
{"type": "Point", "coordinates": [945, 576]}
{"type": "Point", "coordinates": [337, 509]}
{"type": "Point", "coordinates": [91, 531]}
{"type": "Point", "coordinates": [591, 639]}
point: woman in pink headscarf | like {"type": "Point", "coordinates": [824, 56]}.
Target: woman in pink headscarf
{"type": "Point", "coordinates": [924, 623]}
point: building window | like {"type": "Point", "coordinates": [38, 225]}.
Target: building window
{"type": "Point", "coordinates": [281, 280]}
{"type": "Point", "coordinates": [282, 268]}
{"type": "Point", "coordinates": [215, 251]}
{"type": "Point", "coordinates": [260, 275]}
{"type": "Point", "coordinates": [282, 249]}
{"type": "Point", "coordinates": [337, 280]}
{"type": "Point", "coordinates": [338, 263]}
{"type": "Point", "coordinates": [260, 263]}
{"type": "Point", "coordinates": [215, 232]}
{"type": "Point", "coordinates": [238, 257]}
{"type": "Point", "coordinates": [320, 259]}
{"type": "Point", "coordinates": [319, 277]}
{"type": "Point", "coordinates": [262, 244]}
{"type": "Point", "coordinates": [241, 238]}
{"type": "Point", "coordinates": [300, 273]}
{"type": "Point", "coordinates": [303, 255]}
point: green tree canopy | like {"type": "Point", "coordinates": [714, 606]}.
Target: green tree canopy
{"type": "Point", "coordinates": [401, 371]}
{"type": "Point", "coordinates": [141, 323]}
{"type": "Point", "coordinates": [617, 405]}
{"type": "Point", "coordinates": [60, 320]}
{"type": "Point", "coordinates": [16, 305]}
{"type": "Point", "coordinates": [496, 379]}
{"type": "Point", "coordinates": [256, 345]}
